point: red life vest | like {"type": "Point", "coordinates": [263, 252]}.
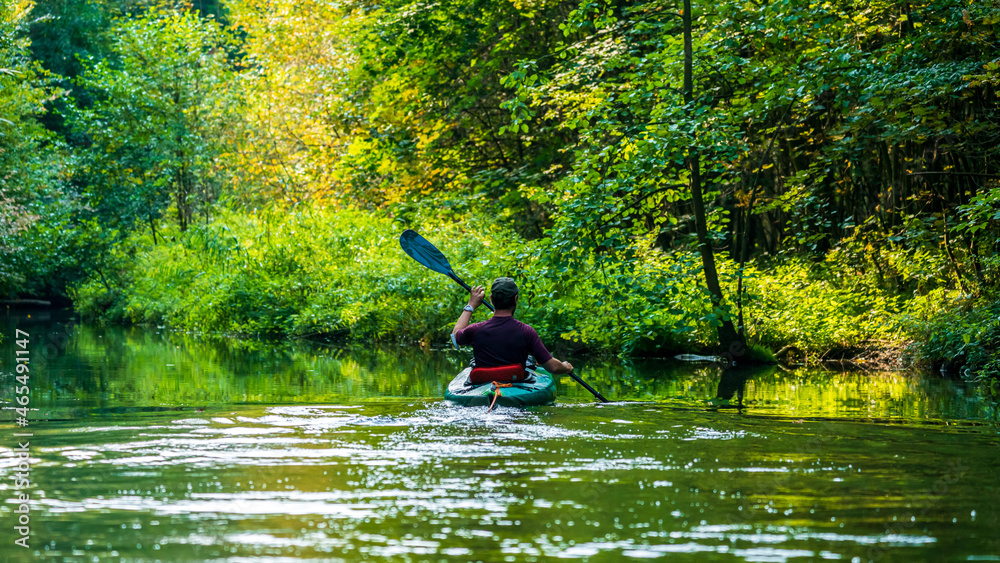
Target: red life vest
{"type": "Point", "coordinates": [500, 374]}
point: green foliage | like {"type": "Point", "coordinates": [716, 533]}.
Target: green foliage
{"type": "Point", "coordinates": [850, 147]}
{"type": "Point", "coordinates": [342, 274]}
{"type": "Point", "coordinates": [958, 334]}
{"type": "Point", "coordinates": [979, 226]}
{"type": "Point", "coordinates": [818, 308]}
{"type": "Point", "coordinates": [157, 120]}
{"type": "Point", "coordinates": [337, 273]}
{"type": "Point", "coordinates": [759, 354]}
{"type": "Point", "coordinates": [64, 34]}
{"type": "Point", "coordinates": [30, 164]}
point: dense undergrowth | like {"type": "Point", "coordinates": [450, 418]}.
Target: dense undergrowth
{"type": "Point", "coordinates": [339, 274]}
{"type": "Point", "coordinates": [961, 336]}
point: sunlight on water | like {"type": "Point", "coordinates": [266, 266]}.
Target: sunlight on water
{"type": "Point", "coordinates": [266, 453]}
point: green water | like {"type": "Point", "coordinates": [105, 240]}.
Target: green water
{"type": "Point", "coordinates": [149, 445]}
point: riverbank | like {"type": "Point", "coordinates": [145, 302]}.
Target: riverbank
{"type": "Point", "coordinates": [340, 275]}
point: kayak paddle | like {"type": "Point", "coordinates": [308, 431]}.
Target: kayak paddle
{"type": "Point", "coordinates": [587, 387]}
{"type": "Point", "coordinates": [427, 254]}
{"type": "Point", "coordinates": [418, 248]}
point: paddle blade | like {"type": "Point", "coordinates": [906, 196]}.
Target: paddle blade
{"type": "Point", "coordinates": [424, 252]}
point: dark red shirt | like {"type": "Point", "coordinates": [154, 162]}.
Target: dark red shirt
{"type": "Point", "coordinates": [502, 341]}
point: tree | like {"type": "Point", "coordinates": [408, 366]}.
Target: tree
{"type": "Point", "coordinates": [157, 124]}
{"type": "Point", "coordinates": [804, 127]}
{"type": "Point", "coordinates": [399, 103]}
{"type": "Point", "coordinates": [63, 34]}
{"type": "Point", "coordinates": [729, 339]}
{"type": "Point", "coordinates": [625, 82]}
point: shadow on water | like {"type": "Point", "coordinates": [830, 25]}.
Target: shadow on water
{"type": "Point", "coordinates": [156, 445]}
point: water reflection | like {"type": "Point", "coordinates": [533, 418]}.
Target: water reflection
{"type": "Point", "coordinates": [159, 445]}
{"type": "Point", "coordinates": [83, 368]}
{"type": "Point", "coordinates": [415, 480]}
{"type": "Point", "coordinates": [732, 382]}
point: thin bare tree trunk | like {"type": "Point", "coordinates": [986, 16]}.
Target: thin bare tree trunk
{"type": "Point", "coordinates": [728, 337]}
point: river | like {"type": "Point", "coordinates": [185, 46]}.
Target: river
{"type": "Point", "coordinates": [153, 445]}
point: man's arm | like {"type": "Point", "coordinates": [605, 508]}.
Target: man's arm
{"type": "Point", "coordinates": [475, 300]}
{"type": "Point", "coordinates": [538, 350]}
{"type": "Point", "coordinates": [556, 366]}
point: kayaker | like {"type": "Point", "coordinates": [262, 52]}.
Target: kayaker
{"type": "Point", "coordinates": [502, 340]}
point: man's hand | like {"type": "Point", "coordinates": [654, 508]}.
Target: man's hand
{"type": "Point", "coordinates": [555, 366]}
{"type": "Point", "coordinates": [476, 296]}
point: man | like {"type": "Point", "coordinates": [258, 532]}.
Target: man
{"type": "Point", "coordinates": [502, 340]}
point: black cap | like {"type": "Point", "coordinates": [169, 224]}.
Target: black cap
{"type": "Point", "coordinates": [503, 286]}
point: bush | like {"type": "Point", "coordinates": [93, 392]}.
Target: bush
{"type": "Point", "coordinates": [341, 274]}
{"type": "Point", "coordinates": [818, 308]}
{"type": "Point", "coordinates": [957, 334]}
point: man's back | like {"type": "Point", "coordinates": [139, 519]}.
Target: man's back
{"type": "Point", "coordinates": [501, 341]}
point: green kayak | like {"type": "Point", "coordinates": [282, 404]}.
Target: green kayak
{"type": "Point", "coordinates": [539, 389]}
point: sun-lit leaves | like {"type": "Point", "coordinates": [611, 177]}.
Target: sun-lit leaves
{"type": "Point", "coordinates": [341, 274]}
{"type": "Point", "coordinates": [395, 104]}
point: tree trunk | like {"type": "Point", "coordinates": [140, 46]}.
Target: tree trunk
{"type": "Point", "coordinates": [728, 338]}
